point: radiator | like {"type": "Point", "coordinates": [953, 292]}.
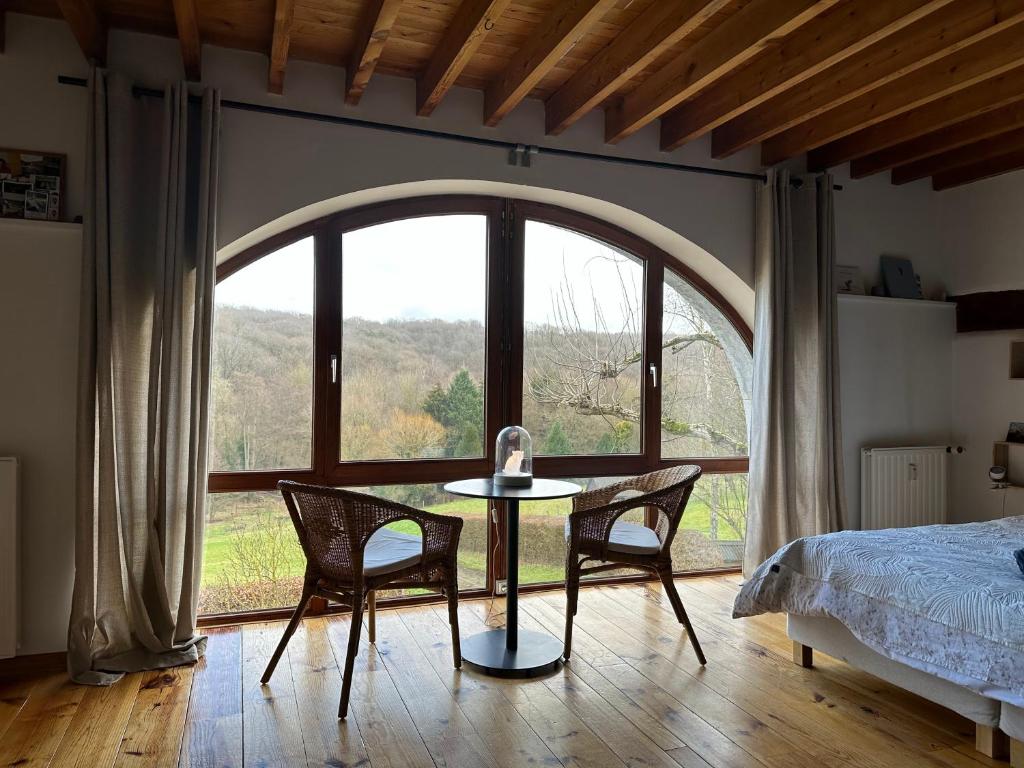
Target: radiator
{"type": "Point", "coordinates": [9, 539]}
{"type": "Point", "coordinates": [902, 487]}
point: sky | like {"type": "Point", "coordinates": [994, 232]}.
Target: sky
{"type": "Point", "coordinates": [435, 267]}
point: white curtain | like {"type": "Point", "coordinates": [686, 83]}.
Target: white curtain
{"type": "Point", "coordinates": [144, 379]}
{"type": "Point", "coordinates": [796, 469]}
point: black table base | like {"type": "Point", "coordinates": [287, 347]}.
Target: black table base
{"type": "Point", "coordinates": [537, 654]}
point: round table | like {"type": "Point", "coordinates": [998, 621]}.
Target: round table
{"type": "Point", "coordinates": [512, 652]}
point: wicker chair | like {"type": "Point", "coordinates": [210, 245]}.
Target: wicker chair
{"type": "Point", "coordinates": [593, 534]}
{"type": "Point", "coordinates": [350, 555]}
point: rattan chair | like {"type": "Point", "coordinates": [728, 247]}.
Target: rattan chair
{"type": "Point", "coordinates": [595, 535]}
{"type": "Point", "coordinates": [350, 555]}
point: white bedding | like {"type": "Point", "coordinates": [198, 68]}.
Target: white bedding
{"type": "Point", "coordinates": [944, 599]}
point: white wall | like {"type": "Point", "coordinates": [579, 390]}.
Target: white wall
{"type": "Point", "coordinates": [39, 279]}
{"type": "Point", "coordinates": [982, 228]}
{"type": "Point", "coordinates": [273, 166]}
{"type": "Point", "coordinates": [895, 359]}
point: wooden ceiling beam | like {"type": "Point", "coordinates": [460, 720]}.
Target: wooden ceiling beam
{"type": "Point", "coordinates": [934, 37]}
{"type": "Point", "coordinates": [843, 31]}
{"type": "Point", "coordinates": [464, 35]}
{"type": "Point", "coordinates": [944, 140]}
{"type": "Point", "coordinates": [986, 169]}
{"type": "Point", "coordinates": [851, 144]}
{"type": "Point", "coordinates": [966, 67]}
{"type": "Point", "coordinates": [558, 32]}
{"type": "Point", "coordinates": [284, 16]}
{"type": "Point", "coordinates": [188, 36]}
{"type": "Point", "coordinates": [88, 29]}
{"type": "Point", "coordinates": [969, 154]}
{"type": "Point", "coordinates": [374, 29]}
{"type": "Point", "coordinates": [985, 96]}
{"type": "Point", "coordinates": [728, 46]}
{"type": "Point", "coordinates": [655, 30]}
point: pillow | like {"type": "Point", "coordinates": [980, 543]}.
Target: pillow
{"type": "Point", "coordinates": [1019, 556]}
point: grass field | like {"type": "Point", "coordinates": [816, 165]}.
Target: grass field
{"type": "Point", "coordinates": [246, 513]}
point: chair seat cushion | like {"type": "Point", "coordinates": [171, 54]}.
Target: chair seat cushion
{"type": "Point", "coordinates": [388, 551]}
{"type": "Point", "coordinates": [630, 539]}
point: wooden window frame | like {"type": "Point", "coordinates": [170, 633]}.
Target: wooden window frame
{"type": "Point", "coordinates": [503, 362]}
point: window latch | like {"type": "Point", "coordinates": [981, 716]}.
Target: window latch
{"type": "Point", "coordinates": [654, 374]}
{"type": "Point", "coordinates": [334, 369]}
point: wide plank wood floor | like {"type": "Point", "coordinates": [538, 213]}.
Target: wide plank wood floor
{"type": "Point", "coordinates": [633, 695]}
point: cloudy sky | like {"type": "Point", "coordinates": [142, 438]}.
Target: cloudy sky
{"type": "Point", "coordinates": [435, 267]}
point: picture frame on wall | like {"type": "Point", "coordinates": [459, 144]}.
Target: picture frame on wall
{"type": "Point", "coordinates": [849, 280]}
{"type": "Point", "coordinates": [32, 184]}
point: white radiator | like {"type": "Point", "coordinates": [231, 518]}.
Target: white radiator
{"type": "Point", "coordinates": [901, 487]}
{"type": "Point", "coordinates": [9, 539]}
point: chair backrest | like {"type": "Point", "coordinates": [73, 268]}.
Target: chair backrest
{"type": "Point", "coordinates": [334, 524]}
{"type": "Point", "coordinates": [667, 490]}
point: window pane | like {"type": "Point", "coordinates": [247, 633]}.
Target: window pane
{"type": "Point", "coordinates": [262, 404]}
{"type": "Point", "coordinates": [412, 369]}
{"type": "Point", "coordinates": [713, 525]}
{"type": "Point", "coordinates": [583, 343]}
{"type": "Point", "coordinates": [706, 377]}
{"type": "Point", "coordinates": [251, 558]}
{"type": "Point", "coordinates": [472, 559]}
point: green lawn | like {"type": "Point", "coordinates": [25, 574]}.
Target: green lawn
{"type": "Point", "coordinates": [220, 534]}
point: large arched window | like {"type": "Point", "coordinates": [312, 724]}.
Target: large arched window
{"type": "Point", "coordinates": [383, 348]}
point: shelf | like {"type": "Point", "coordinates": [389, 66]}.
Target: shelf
{"type": "Point", "coordinates": [40, 223]}
{"type": "Point", "coordinates": [856, 298]}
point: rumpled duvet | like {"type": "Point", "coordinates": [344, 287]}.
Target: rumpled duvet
{"type": "Point", "coordinates": [943, 599]}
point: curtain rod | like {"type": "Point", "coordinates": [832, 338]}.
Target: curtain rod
{"type": "Point", "coordinates": [523, 151]}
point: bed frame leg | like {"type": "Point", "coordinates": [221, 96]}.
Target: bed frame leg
{"type": "Point", "coordinates": [992, 742]}
{"type": "Point", "coordinates": [803, 655]}
{"type": "Point", "coordinates": [1016, 753]}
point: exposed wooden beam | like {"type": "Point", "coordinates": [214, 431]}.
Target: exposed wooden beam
{"type": "Point", "coordinates": [89, 31]}
{"type": "Point", "coordinates": [284, 15]}
{"type": "Point", "coordinates": [841, 32]}
{"type": "Point", "coordinates": [728, 46]}
{"type": "Point", "coordinates": [374, 28]}
{"type": "Point", "coordinates": [970, 154]}
{"type": "Point", "coordinates": [1013, 161]}
{"type": "Point", "coordinates": [472, 22]}
{"type": "Point", "coordinates": [658, 28]}
{"type": "Point", "coordinates": [921, 44]}
{"type": "Point", "coordinates": [188, 36]}
{"type": "Point", "coordinates": [938, 142]}
{"type": "Point", "coordinates": [968, 66]}
{"type": "Point", "coordinates": [558, 32]}
{"type": "Point", "coordinates": [985, 96]}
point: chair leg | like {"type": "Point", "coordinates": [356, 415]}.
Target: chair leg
{"type": "Point", "coordinates": [572, 590]}
{"type": "Point", "coordinates": [354, 630]}
{"type": "Point", "coordinates": [371, 604]}
{"type": "Point", "coordinates": [453, 620]}
{"type": "Point", "coordinates": [293, 624]}
{"type": "Point", "coordinates": [677, 606]}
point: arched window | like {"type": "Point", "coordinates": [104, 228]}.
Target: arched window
{"type": "Point", "coordinates": [384, 348]}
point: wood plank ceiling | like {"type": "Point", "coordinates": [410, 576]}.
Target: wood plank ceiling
{"type": "Point", "coordinates": [919, 88]}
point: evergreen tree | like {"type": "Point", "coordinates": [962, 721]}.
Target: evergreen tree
{"type": "Point", "coordinates": [557, 442]}
{"type": "Point", "coordinates": [459, 408]}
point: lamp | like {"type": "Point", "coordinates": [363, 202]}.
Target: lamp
{"type": "Point", "coordinates": [513, 458]}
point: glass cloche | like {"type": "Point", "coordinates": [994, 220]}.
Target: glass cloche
{"type": "Point", "coordinates": [513, 462]}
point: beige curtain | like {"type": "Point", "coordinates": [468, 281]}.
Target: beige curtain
{"type": "Point", "coordinates": [796, 470]}
{"type": "Point", "coordinates": [144, 379]}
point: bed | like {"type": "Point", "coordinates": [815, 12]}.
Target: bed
{"type": "Point", "coordinates": [938, 610]}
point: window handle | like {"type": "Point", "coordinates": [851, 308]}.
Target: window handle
{"type": "Point", "coordinates": [334, 369]}
{"type": "Point", "coordinates": [654, 374]}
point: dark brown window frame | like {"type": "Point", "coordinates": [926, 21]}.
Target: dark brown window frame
{"type": "Point", "coordinates": [503, 360]}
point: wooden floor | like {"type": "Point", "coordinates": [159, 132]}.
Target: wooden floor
{"type": "Point", "coordinates": [633, 695]}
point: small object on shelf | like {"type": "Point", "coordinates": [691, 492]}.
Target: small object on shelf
{"type": "Point", "coordinates": [997, 475]}
{"type": "Point", "coordinates": [899, 278]}
{"type": "Point", "coordinates": [513, 458]}
{"type": "Point", "coordinates": [31, 184]}
{"type": "Point", "coordinates": [849, 279]}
